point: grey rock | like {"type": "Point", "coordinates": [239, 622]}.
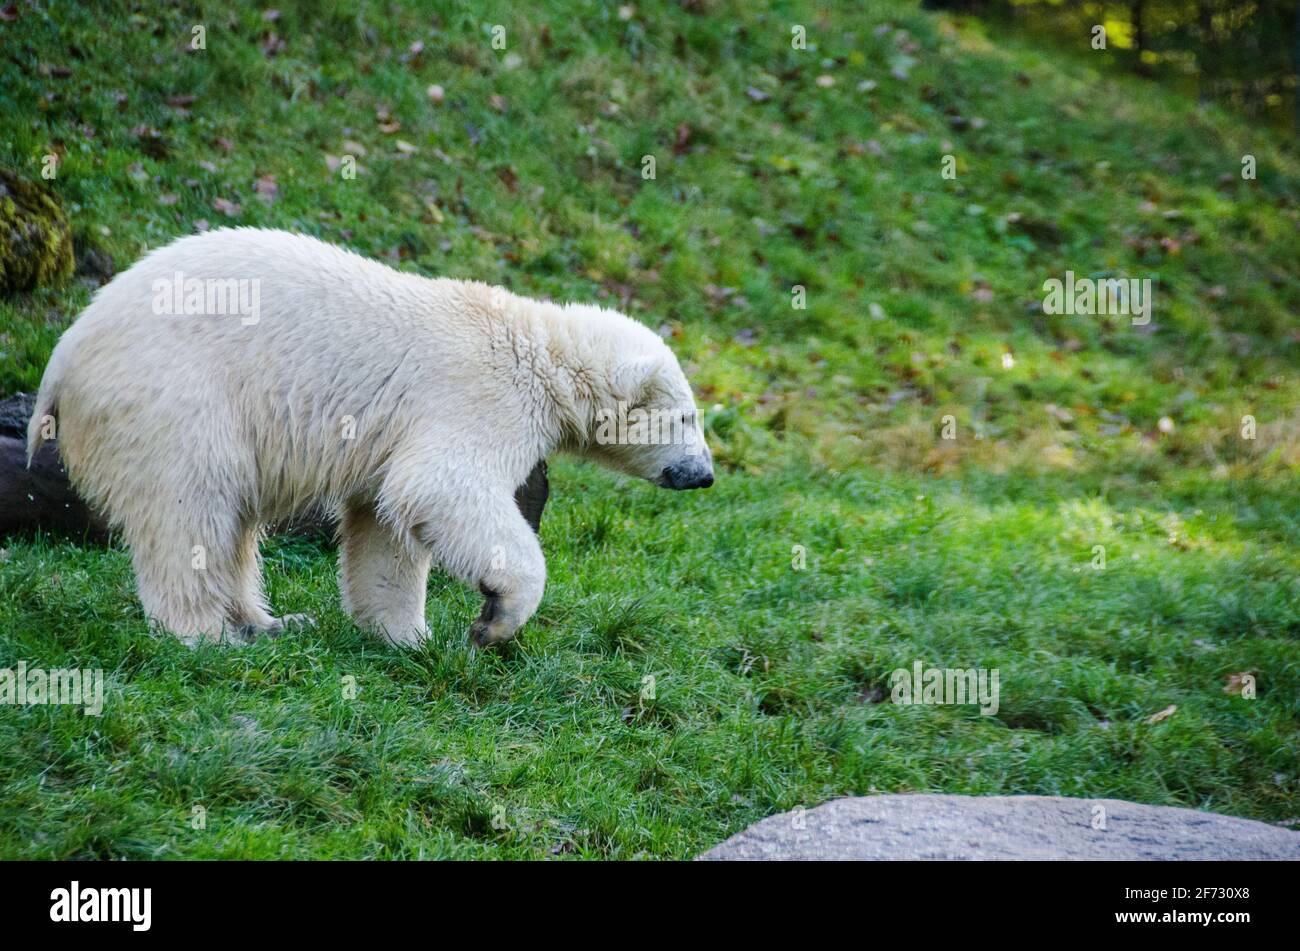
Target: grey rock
{"type": "Point", "coordinates": [907, 827]}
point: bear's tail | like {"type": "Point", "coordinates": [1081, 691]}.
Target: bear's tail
{"type": "Point", "coordinates": [45, 411]}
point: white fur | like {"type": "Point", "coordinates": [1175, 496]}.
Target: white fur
{"type": "Point", "coordinates": [197, 430]}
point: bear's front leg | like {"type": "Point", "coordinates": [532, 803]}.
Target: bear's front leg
{"type": "Point", "coordinates": [486, 628]}
{"type": "Point", "coordinates": [469, 523]}
{"type": "Point", "coordinates": [479, 536]}
{"type": "Point", "coordinates": [512, 585]}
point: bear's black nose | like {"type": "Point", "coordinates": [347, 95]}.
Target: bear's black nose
{"type": "Point", "coordinates": [686, 476]}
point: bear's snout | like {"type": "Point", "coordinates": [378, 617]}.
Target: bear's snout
{"type": "Point", "coordinates": [687, 475]}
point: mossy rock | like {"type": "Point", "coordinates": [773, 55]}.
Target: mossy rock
{"type": "Point", "coordinates": [35, 241]}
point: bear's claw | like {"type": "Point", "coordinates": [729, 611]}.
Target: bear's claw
{"type": "Point", "coordinates": [488, 633]}
{"type": "Point", "coordinates": [279, 625]}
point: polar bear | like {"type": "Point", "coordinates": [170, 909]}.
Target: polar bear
{"type": "Point", "coordinates": [239, 377]}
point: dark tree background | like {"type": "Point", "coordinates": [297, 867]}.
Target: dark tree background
{"type": "Point", "coordinates": [1244, 54]}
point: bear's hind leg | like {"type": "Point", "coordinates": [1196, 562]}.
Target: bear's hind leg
{"type": "Point", "coordinates": [382, 581]}
{"type": "Point", "coordinates": [184, 579]}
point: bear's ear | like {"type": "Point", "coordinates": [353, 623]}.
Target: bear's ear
{"type": "Point", "coordinates": [632, 378]}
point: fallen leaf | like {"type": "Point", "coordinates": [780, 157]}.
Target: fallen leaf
{"type": "Point", "coordinates": [900, 66]}
{"type": "Point", "coordinates": [151, 141]}
{"type": "Point", "coordinates": [872, 694]}
{"type": "Point", "coordinates": [227, 207]}
{"type": "Point", "coordinates": [1164, 714]}
{"type": "Point", "coordinates": [266, 188]}
{"type": "Point", "coordinates": [719, 295]}
{"type": "Point", "coordinates": [681, 144]}
{"type": "Point", "coordinates": [1236, 682]}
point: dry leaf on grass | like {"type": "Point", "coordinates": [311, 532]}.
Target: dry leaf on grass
{"type": "Point", "coordinates": [1164, 714]}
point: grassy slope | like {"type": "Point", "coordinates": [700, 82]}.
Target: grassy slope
{"type": "Point", "coordinates": [973, 552]}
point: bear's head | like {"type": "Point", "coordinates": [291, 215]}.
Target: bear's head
{"type": "Point", "coordinates": [640, 416]}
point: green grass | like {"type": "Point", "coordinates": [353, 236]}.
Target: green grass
{"type": "Point", "coordinates": [770, 683]}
